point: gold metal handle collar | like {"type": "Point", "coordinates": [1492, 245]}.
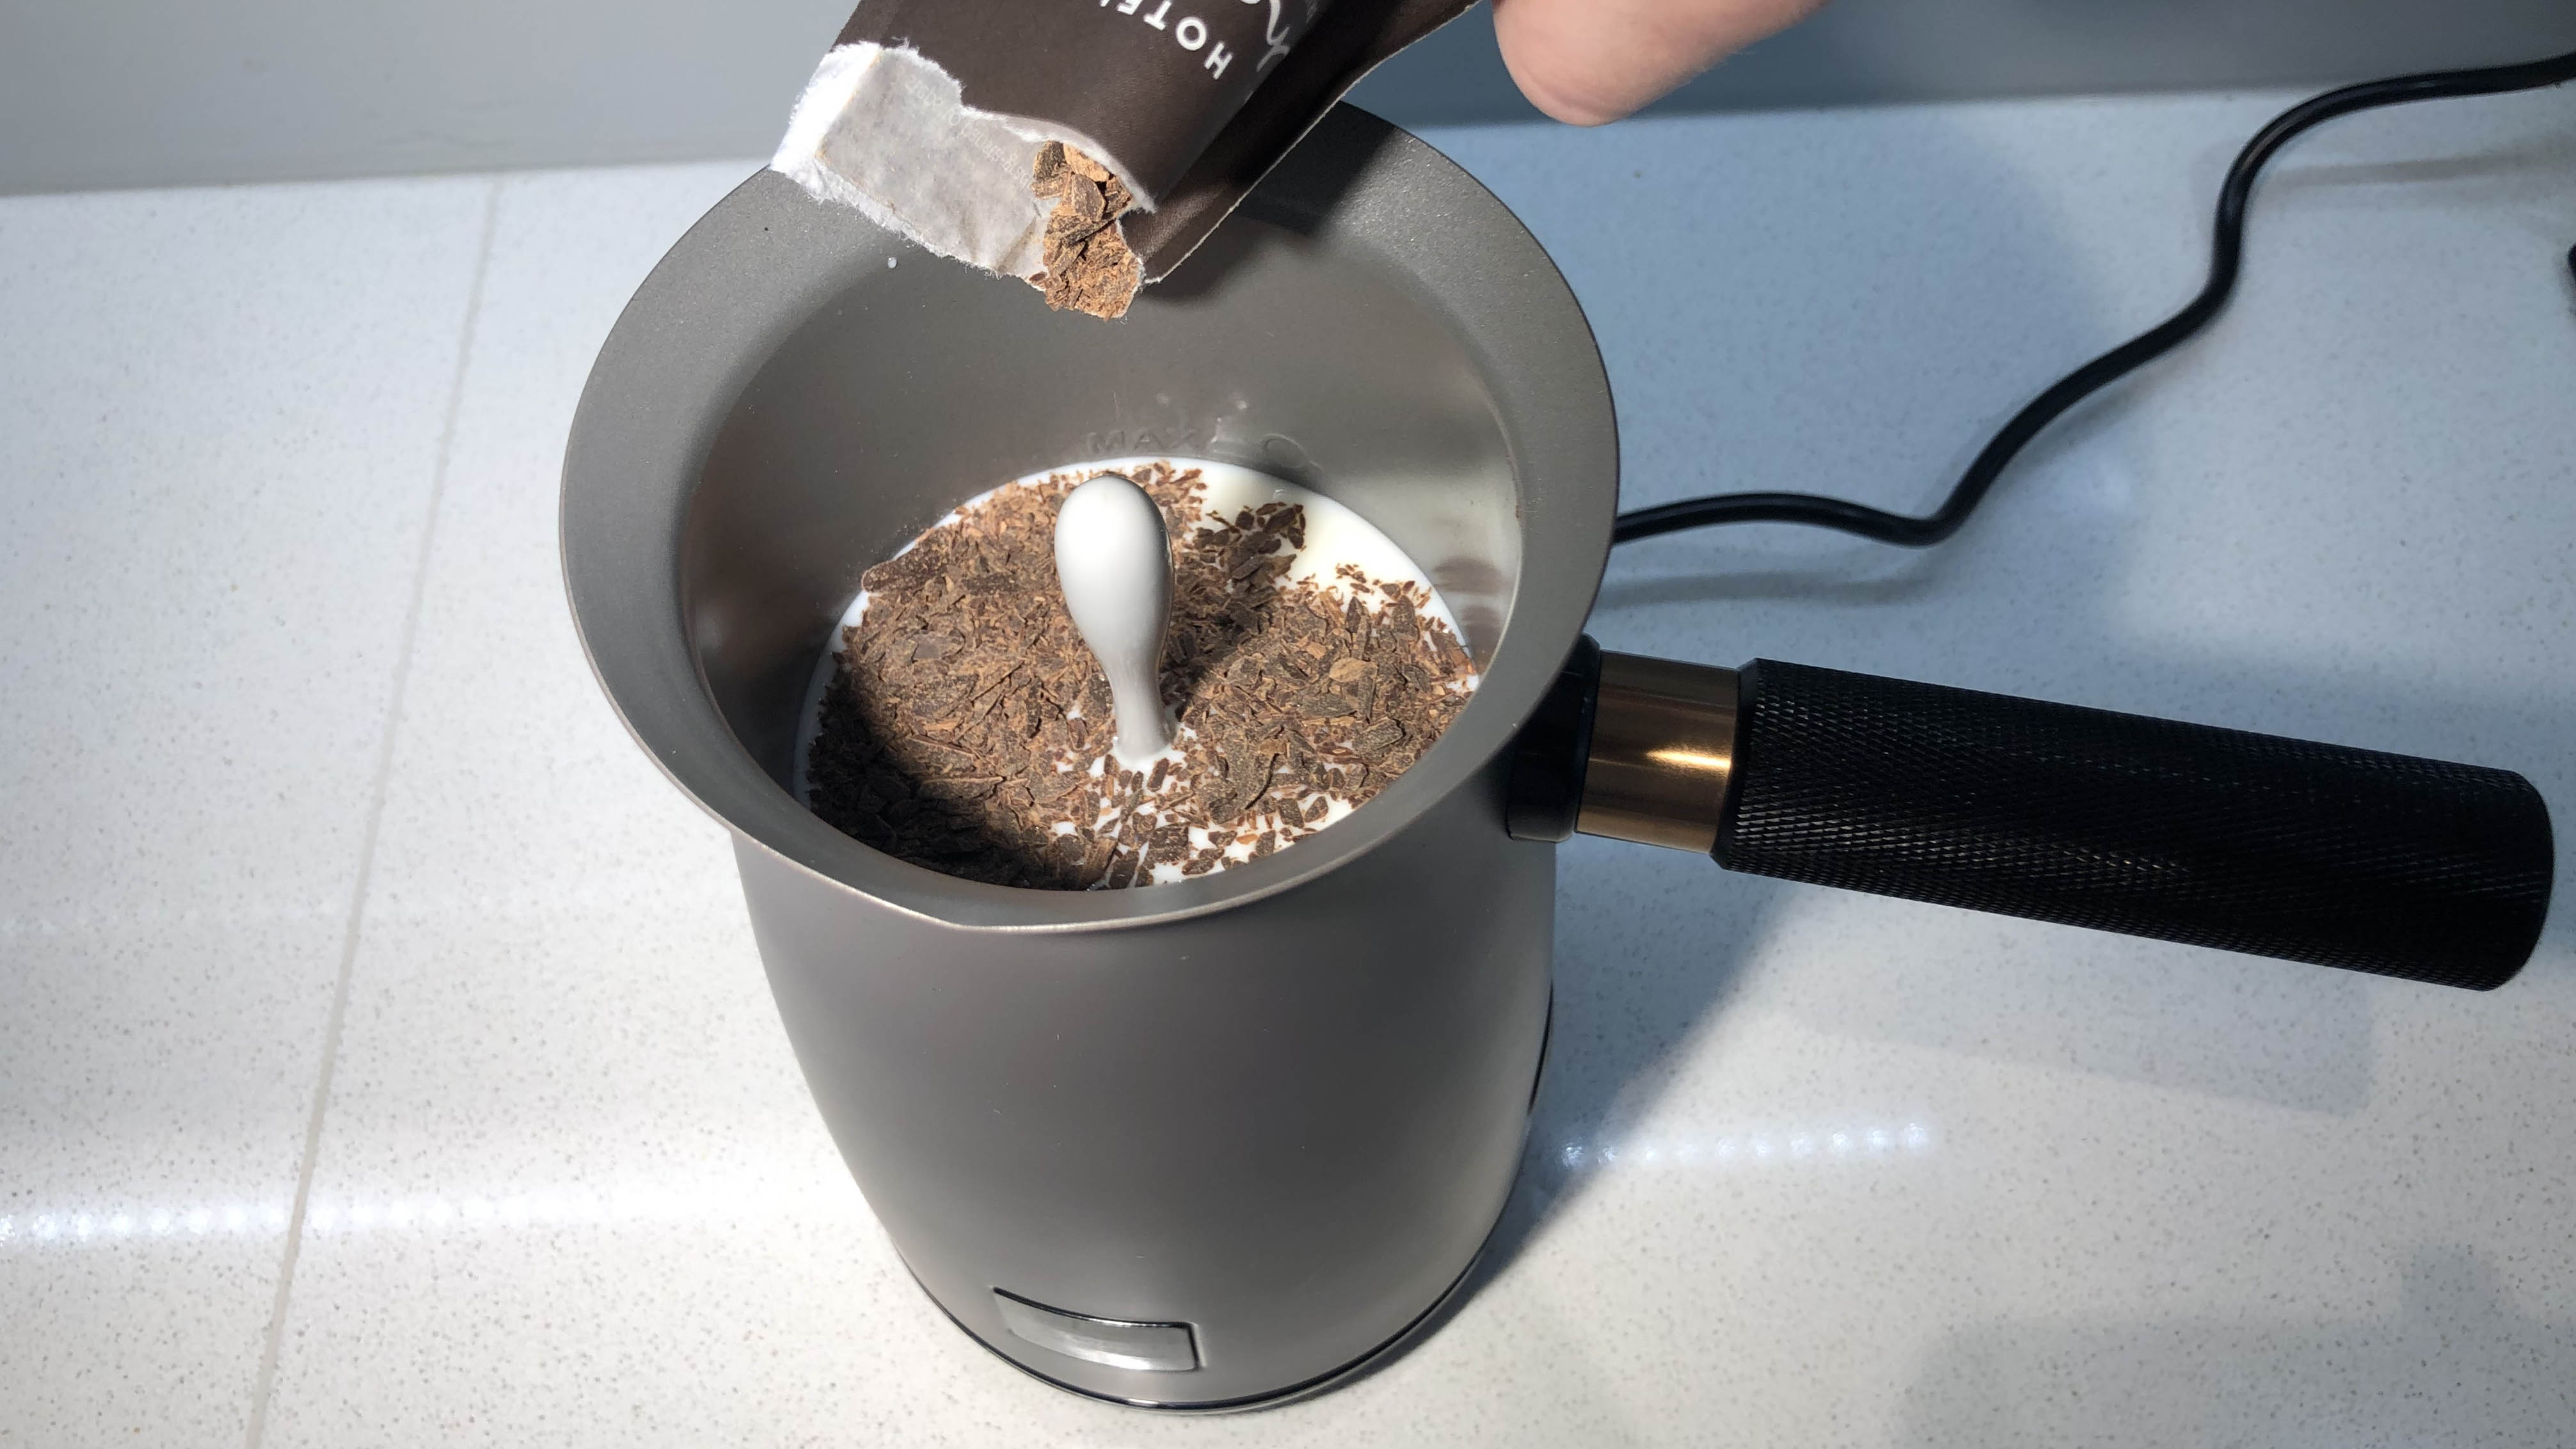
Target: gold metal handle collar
{"type": "Point", "coordinates": [1663, 753]}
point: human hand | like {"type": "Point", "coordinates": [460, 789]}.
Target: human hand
{"type": "Point", "coordinates": [1592, 61]}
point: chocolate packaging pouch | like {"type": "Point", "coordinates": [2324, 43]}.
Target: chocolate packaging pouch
{"type": "Point", "coordinates": [1084, 145]}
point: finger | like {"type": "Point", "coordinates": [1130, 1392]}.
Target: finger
{"type": "Point", "coordinates": [1591, 61]}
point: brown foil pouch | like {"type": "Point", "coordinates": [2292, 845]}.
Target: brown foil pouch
{"type": "Point", "coordinates": [936, 117]}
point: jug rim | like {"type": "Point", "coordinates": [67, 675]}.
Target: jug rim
{"type": "Point", "coordinates": [766, 258]}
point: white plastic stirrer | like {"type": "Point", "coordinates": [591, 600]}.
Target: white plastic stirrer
{"type": "Point", "coordinates": [1115, 567]}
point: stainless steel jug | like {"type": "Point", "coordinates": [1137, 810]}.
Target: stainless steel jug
{"type": "Point", "coordinates": [1218, 1143]}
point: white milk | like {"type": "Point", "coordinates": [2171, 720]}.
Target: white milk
{"type": "Point", "coordinates": [1335, 536]}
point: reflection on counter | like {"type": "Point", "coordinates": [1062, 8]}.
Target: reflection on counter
{"type": "Point", "coordinates": [1756, 1147]}
{"type": "Point", "coordinates": [714, 1206]}
{"type": "Point", "coordinates": [721, 1206]}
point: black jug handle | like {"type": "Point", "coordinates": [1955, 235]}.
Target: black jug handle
{"type": "Point", "coordinates": [2406, 867]}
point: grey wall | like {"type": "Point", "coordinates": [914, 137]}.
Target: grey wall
{"type": "Point", "coordinates": [154, 92]}
{"type": "Point", "coordinates": [159, 92]}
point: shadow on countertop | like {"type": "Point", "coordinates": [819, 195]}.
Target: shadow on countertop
{"type": "Point", "coordinates": [2458, 1363]}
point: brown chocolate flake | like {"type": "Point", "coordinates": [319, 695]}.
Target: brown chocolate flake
{"type": "Point", "coordinates": [1377, 739]}
{"type": "Point", "coordinates": [1089, 267]}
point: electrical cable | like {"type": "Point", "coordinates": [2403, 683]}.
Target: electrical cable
{"type": "Point", "coordinates": [2226, 252]}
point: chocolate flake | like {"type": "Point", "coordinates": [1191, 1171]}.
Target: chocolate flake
{"type": "Point", "coordinates": [1089, 267]}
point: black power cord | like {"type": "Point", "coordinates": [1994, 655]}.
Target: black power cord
{"type": "Point", "coordinates": [2227, 252]}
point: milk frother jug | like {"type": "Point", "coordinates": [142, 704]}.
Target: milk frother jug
{"type": "Point", "coordinates": [1217, 1143]}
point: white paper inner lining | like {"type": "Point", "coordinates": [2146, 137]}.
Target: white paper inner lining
{"type": "Point", "coordinates": [890, 133]}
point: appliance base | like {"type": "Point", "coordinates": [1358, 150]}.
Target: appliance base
{"type": "Point", "coordinates": [1412, 1333]}
{"type": "Point", "coordinates": [1405, 1338]}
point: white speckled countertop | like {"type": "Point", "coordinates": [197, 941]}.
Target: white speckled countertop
{"type": "Point", "coordinates": [327, 869]}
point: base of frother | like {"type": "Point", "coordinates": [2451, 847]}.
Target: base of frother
{"type": "Point", "coordinates": [1405, 1338]}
